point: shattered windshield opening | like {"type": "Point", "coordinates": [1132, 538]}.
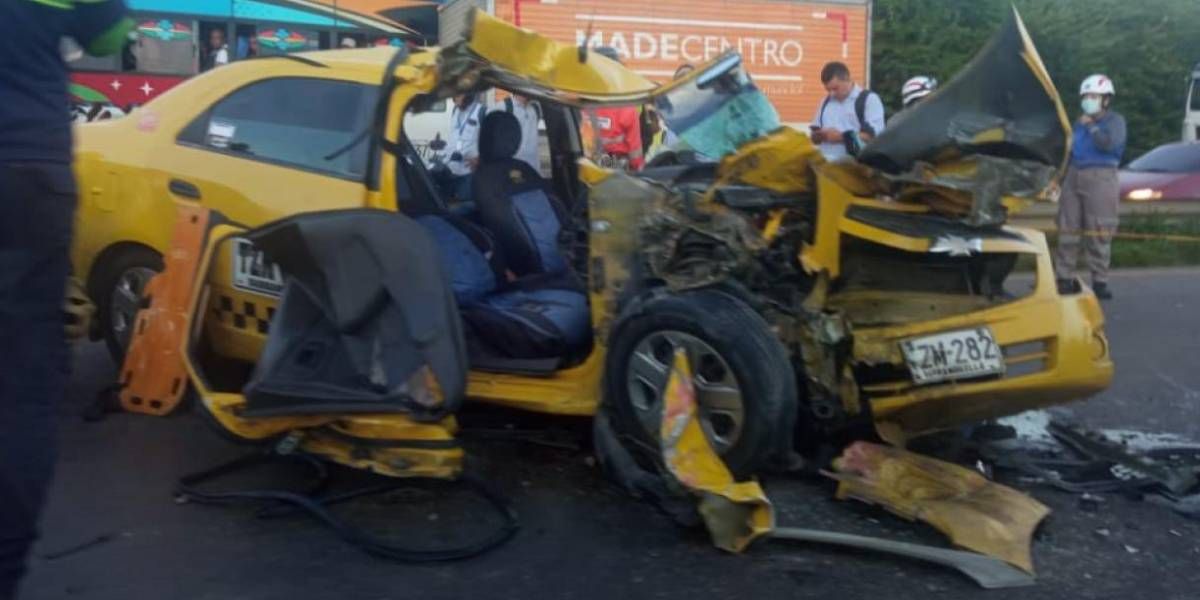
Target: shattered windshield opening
{"type": "Point", "coordinates": [719, 110]}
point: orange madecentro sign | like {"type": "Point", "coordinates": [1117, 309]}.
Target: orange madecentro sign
{"type": "Point", "coordinates": [784, 44]}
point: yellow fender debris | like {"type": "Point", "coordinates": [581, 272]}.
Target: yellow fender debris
{"type": "Point", "coordinates": [974, 512]}
{"type": "Point", "coordinates": [736, 513]}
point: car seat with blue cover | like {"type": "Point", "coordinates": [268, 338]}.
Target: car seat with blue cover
{"type": "Point", "coordinates": [530, 318]}
{"type": "Point", "coordinates": [515, 204]}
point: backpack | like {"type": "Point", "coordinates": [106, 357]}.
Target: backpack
{"type": "Point", "coordinates": [860, 110]}
{"type": "Point", "coordinates": [508, 107]}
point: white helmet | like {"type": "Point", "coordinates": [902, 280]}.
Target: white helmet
{"type": "Point", "coordinates": [1097, 84]}
{"type": "Point", "coordinates": [916, 88]}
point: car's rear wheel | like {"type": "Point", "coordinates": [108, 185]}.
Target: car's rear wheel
{"type": "Point", "coordinates": [119, 286]}
{"type": "Point", "coordinates": [745, 385]}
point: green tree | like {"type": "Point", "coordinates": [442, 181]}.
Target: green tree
{"type": "Point", "coordinates": [1147, 47]}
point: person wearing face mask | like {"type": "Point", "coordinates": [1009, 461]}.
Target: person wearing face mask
{"type": "Point", "coordinates": [1087, 207]}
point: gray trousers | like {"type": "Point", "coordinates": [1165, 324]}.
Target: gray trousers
{"type": "Point", "coordinates": [1087, 218]}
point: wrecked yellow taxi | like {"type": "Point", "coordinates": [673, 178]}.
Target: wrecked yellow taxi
{"type": "Point", "coordinates": [815, 300]}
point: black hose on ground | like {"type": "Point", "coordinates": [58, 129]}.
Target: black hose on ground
{"type": "Point", "coordinates": [281, 502]}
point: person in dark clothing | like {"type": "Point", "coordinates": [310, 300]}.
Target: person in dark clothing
{"type": "Point", "coordinates": [217, 53]}
{"type": "Point", "coordinates": [37, 210]}
{"type": "Point", "coordinates": [1087, 208]}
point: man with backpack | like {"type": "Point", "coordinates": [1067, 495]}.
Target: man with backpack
{"type": "Point", "coordinates": [849, 117]}
{"type": "Point", "coordinates": [528, 114]}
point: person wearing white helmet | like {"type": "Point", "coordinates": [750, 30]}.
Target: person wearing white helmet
{"type": "Point", "coordinates": [916, 88]}
{"type": "Point", "coordinates": [1087, 209]}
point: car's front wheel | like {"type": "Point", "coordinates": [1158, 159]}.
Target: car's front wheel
{"type": "Point", "coordinates": [744, 382]}
{"type": "Point", "coordinates": [118, 287]}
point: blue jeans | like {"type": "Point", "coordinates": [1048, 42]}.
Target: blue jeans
{"type": "Point", "coordinates": [37, 209]}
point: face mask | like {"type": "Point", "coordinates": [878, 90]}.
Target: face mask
{"type": "Point", "coordinates": [1090, 106]}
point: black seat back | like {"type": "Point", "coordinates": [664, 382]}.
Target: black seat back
{"type": "Point", "coordinates": [515, 204]}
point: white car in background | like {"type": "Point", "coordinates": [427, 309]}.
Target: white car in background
{"type": "Point", "coordinates": [424, 127]}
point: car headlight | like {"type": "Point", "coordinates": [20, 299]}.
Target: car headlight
{"type": "Point", "coordinates": [1143, 194]}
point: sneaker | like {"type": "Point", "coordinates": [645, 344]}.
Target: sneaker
{"type": "Point", "coordinates": [1101, 290]}
{"type": "Point", "coordinates": [1068, 286]}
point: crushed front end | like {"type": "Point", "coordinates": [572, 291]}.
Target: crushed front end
{"type": "Point", "coordinates": [942, 333]}
{"type": "Point", "coordinates": [862, 292]}
{"type": "Point", "coordinates": [905, 300]}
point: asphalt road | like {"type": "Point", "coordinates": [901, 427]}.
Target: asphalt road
{"type": "Point", "coordinates": [582, 539]}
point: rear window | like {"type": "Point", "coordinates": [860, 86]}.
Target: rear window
{"type": "Point", "coordinates": [1175, 158]}
{"type": "Point", "coordinates": [315, 124]}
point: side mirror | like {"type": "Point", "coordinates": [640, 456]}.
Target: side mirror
{"type": "Point", "coordinates": [437, 144]}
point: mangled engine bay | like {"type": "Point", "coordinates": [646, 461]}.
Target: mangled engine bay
{"type": "Point", "coordinates": [834, 253]}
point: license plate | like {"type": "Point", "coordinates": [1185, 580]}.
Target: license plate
{"type": "Point", "coordinates": [955, 355]}
{"type": "Point", "coordinates": [254, 272]}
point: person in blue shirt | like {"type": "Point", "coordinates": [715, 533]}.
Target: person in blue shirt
{"type": "Point", "coordinates": [1087, 207]}
{"type": "Point", "coordinates": [37, 211]}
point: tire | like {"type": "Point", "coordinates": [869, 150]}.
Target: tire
{"type": "Point", "coordinates": [729, 344]}
{"type": "Point", "coordinates": [117, 291]}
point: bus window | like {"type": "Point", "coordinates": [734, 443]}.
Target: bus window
{"type": "Point", "coordinates": [245, 42]}
{"type": "Point", "coordinates": [282, 40]}
{"type": "Point", "coordinates": [164, 46]}
{"type": "Point", "coordinates": [1196, 93]}
{"type": "Point", "coordinates": [79, 60]}
{"type": "Point", "coordinates": [214, 46]}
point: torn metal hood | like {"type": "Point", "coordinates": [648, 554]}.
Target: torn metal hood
{"type": "Point", "coordinates": [501, 54]}
{"type": "Point", "coordinates": [997, 130]}
{"type": "Point", "coordinates": [496, 53]}
{"type": "Point", "coordinates": [1002, 104]}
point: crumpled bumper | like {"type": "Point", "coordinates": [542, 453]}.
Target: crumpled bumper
{"type": "Point", "coordinates": [1055, 351]}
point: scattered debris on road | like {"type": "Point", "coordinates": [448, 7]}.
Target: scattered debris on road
{"type": "Point", "coordinates": [1158, 468]}
{"type": "Point", "coordinates": [974, 512]}
{"type": "Point", "coordinates": [737, 513]}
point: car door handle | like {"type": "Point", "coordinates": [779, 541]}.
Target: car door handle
{"type": "Point", "coordinates": [182, 188]}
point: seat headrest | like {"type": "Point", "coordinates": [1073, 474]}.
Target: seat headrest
{"type": "Point", "coordinates": [499, 136]}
